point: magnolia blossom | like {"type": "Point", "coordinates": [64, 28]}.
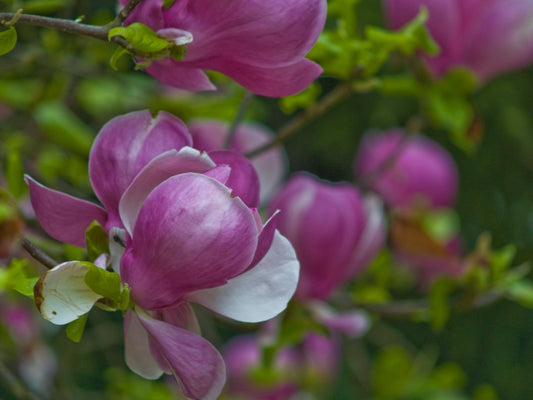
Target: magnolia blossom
{"type": "Point", "coordinates": [210, 135]}
{"type": "Point", "coordinates": [178, 233]}
{"type": "Point", "coordinates": [490, 37]}
{"type": "Point", "coordinates": [260, 44]}
{"type": "Point", "coordinates": [336, 232]}
{"type": "Point", "coordinates": [333, 228]}
{"type": "Point", "coordinates": [315, 360]}
{"type": "Point", "coordinates": [407, 171]}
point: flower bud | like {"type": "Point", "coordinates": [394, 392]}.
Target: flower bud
{"type": "Point", "coordinates": [333, 228]}
{"type": "Point", "coordinates": [407, 171]}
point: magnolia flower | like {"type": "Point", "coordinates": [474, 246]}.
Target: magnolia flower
{"type": "Point", "coordinates": [210, 135]}
{"type": "Point", "coordinates": [334, 230]}
{"type": "Point", "coordinates": [178, 233]}
{"type": "Point", "coordinates": [490, 37]}
{"type": "Point", "coordinates": [260, 44]}
{"type": "Point", "coordinates": [407, 171]}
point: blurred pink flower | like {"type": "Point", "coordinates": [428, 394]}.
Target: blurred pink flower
{"type": "Point", "coordinates": [407, 171]}
{"type": "Point", "coordinates": [333, 228]}
{"type": "Point", "coordinates": [490, 37]}
{"type": "Point", "coordinates": [260, 44]}
{"type": "Point", "coordinates": [316, 358]}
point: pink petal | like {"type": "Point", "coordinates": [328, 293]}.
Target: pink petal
{"type": "Point", "coordinates": [139, 358]}
{"type": "Point", "coordinates": [243, 179]}
{"type": "Point", "coordinates": [156, 171]}
{"type": "Point", "coordinates": [195, 363]}
{"type": "Point", "coordinates": [499, 40]}
{"type": "Point", "coordinates": [125, 145]}
{"type": "Point", "coordinates": [266, 236]}
{"type": "Point", "coordinates": [177, 74]}
{"type": "Point", "coordinates": [255, 32]}
{"type": "Point", "coordinates": [277, 81]}
{"type": "Point", "coordinates": [63, 217]}
{"type": "Point", "coordinates": [190, 234]}
{"type": "Point", "coordinates": [271, 165]}
{"type": "Point", "coordinates": [351, 323]}
{"type": "Point", "coordinates": [260, 293]}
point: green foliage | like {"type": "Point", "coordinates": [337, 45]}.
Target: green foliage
{"type": "Point", "coordinates": [75, 329]}
{"type": "Point", "coordinates": [439, 307]}
{"type": "Point", "coordinates": [103, 282]}
{"type": "Point", "coordinates": [62, 126]}
{"type": "Point", "coordinates": [18, 276]}
{"type": "Point", "coordinates": [96, 241]}
{"type": "Point", "coordinates": [124, 385]}
{"type": "Point", "coordinates": [304, 99]}
{"type": "Point", "coordinates": [14, 173]}
{"type": "Point", "coordinates": [141, 37]}
{"type": "Point", "coordinates": [8, 40]}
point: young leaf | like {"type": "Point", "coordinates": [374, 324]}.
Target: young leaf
{"type": "Point", "coordinates": [96, 241]}
{"type": "Point", "coordinates": [140, 37]}
{"type": "Point", "coordinates": [8, 39]}
{"type": "Point", "coordinates": [75, 328]}
{"type": "Point", "coordinates": [119, 52]}
{"type": "Point", "coordinates": [105, 283]}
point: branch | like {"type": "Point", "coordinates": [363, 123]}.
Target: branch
{"type": "Point", "coordinates": [327, 102]}
{"type": "Point", "coordinates": [123, 14]}
{"type": "Point", "coordinates": [38, 254]}
{"type": "Point", "coordinates": [74, 27]}
{"type": "Point", "coordinates": [409, 308]}
{"type": "Point", "coordinates": [246, 101]}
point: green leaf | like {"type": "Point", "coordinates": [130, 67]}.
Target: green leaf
{"type": "Point", "coordinates": [521, 292]}
{"type": "Point", "coordinates": [303, 100]}
{"type": "Point", "coordinates": [392, 372]}
{"type": "Point", "coordinates": [75, 328]}
{"type": "Point", "coordinates": [103, 282]}
{"type": "Point", "coordinates": [8, 40]}
{"type": "Point", "coordinates": [18, 276]}
{"type": "Point", "coordinates": [96, 241]}
{"type": "Point", "coordinates": [141, 37]}
{"type": "Point", "coordinates": [119, 52]}
{"type": "Point", "coordinates": [438, 303]}
{"type": "Point", "coordinates": [15, 174]}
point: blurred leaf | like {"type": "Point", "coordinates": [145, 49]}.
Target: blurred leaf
{"type": "Point", "coordinates": [44, 6]}
{"type": "Point", "coordinates": [119, 52]}
{"type": "Point", "coordinates": [485, 392]}
{"type": "Point", "coordinates": [8, 40]}
{"type": "Point", "coordinates": [449, 376]}
{"type": "Point", "coordinates": [438, 302]}
{"type": "Point", "coordinates": [141, 37]}
{"type": "Point", "coordinates": [96, 241]}
{"type": "Point", "coordinates": [14, 173]}
{"type": "Point", "coordinates": [63, 127]}
{"type": "Point", "coordinates": [125, 385]}
{"type": "Point", "coordinates": [392, 372]}
{"type": "Point", "coordinates": [75, 329]}
{"type": "Point", "coordinates": [18, 276]}
{"type": "Point", "coordinates": [521, 292]}
{"type": "Point", "coordinates": [308, 97]}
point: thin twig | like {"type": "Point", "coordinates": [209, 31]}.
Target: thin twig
{"type": "Point", "coordinates": [334, 97]}
{"type": "Point", "coordinates": [38, 254]}
{"type": "Point", "coordinates": [123, 14]}
{"type": "Point", "coordinates": [15, 386]}
{"type": "Point", "coordinates": [74, 27]}
{"type": "Point", "coordinates": [245, 103]}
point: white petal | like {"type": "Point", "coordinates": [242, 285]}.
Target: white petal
{"type": "Point", "coordinates": [61, 294]}
{"type": "Point", "coordinates": [155, 172]}
{"type": "Point", "coordinates": [139, 357]}
{"type": "Point", "coordinates": [260, 293]}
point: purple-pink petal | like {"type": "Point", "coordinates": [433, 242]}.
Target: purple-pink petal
{"type": "Point", "coordinates": [63, 217]}
{"type": "Point", "coordinates": [243, 179]}
{"type": "Point", "coordinates": [190, 234]}
{"type": "Point", "coordinates": [176, 74]}
{"type": "Point", "coordinates": [195, 363]}
{"type": "Point", "coordinates": [125, 145]}
{"type": "Point", "coordinates": [156, 171]}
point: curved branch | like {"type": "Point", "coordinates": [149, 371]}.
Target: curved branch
{"type": "Point", "coordinates": [38, 254]}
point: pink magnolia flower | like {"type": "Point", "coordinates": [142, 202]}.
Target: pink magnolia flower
{"type": "Point", "coordinates": [315, 360]}
{"type": "Point", "coordinates": [334, 230]}
{"type": "Point", "coordinates": [178, 233]}
{"type": "Point", "coordinates": [407, 171]}
{"type": "Point", "coordinates": [490, 37]}
{"type": "Point", "coordinates": [210, 135]}
{"type": "Point", "coordinates": [259, 44]}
